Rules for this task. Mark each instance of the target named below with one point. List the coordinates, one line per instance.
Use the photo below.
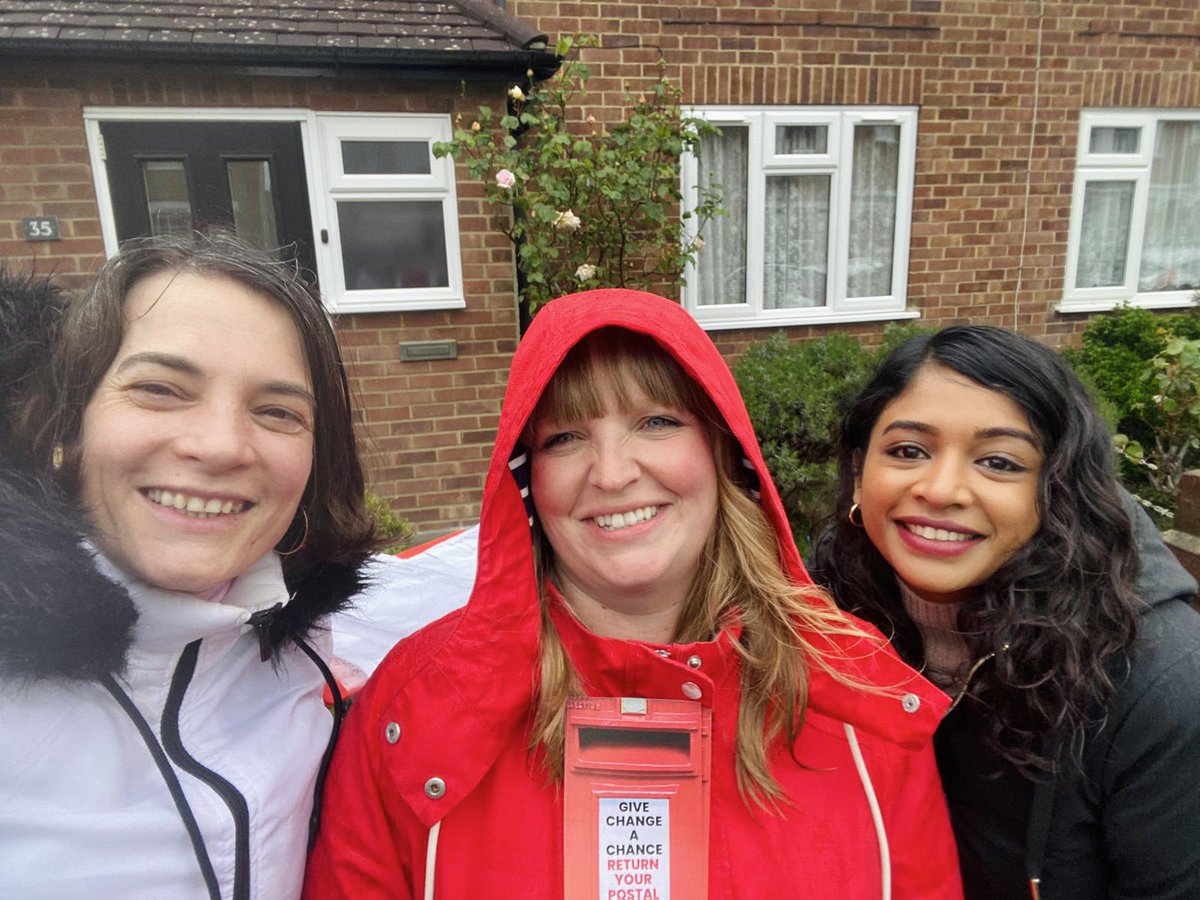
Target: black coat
(1125, 821)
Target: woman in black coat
(981, 527)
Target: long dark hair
(1058, 611)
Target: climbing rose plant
(588, 204)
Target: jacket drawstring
(431, 859)
(885, 856)
(339, 713)
(1037, 833)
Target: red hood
(470, 677)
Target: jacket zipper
(173, 745)
(170, 779)
(1037, 827)
(962, 692)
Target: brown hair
(740, 576)
(332, 523)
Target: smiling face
(197, 444)
(627, 500)
(948, 483)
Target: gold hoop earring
(854, 508)
(303, 537)
(57, 454)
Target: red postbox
(636, 799)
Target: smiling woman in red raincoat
(654, 560)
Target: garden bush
(1130, 356)
(390, 527)
(1115, 352)
(796, 393)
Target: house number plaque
(41, 228)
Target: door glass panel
(797, 241)
(800, 139)
(385, 157)
(167, 199)
(873, 184)
(390, 244)
(253, 202)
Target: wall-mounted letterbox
(636, 799)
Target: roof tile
(449, 25)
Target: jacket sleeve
(366, 844)
(921, 843)
(1150, 782)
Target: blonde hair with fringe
(740, 575)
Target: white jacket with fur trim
(86, 812)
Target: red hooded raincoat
(433, 792)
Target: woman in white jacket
(162, 728)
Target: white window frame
(1132, 167)
(761, 122)
(319, 133)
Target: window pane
(1114, 140)
(721, 264)
(873, 183)
(389, 244)
(167, 198)
(1104, 237)
(1171, 247)
(253, 202)
(798, 139)
(797, 241)
(385, 157)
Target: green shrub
(394, 529)
(1117, 356)
(796, 393)
(1116, 349)
(1175, 376)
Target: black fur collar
(59, 617)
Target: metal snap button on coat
(435, 788)
(392, 732)
(663, 653)
(691, 690)
(910, 703)
(694, 661)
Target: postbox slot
(645, 746)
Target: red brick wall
(971, 66)
(428, 426)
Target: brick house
(1018, 163)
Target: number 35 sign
(41, 228)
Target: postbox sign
(636, 799)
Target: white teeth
(938, 534)
(617, 521)
(195, 507)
